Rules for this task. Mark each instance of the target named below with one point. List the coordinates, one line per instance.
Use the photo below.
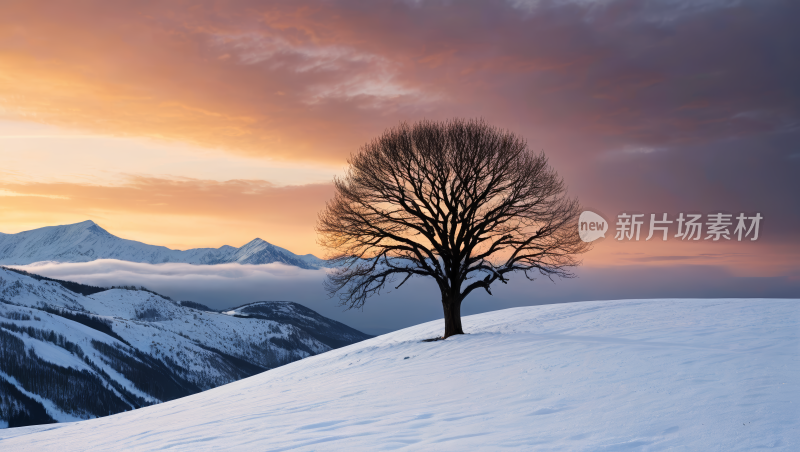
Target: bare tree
(460, 201)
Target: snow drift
(621, 375)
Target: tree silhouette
(459, 201)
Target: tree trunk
(452, 317)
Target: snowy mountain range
(629, 375)
(67, 355)
(86, 241)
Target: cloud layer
(229, 285)
(311, 80)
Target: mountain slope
(710, 375)
(83, 289)
(329, 332)
(86, 241)
(76, 357)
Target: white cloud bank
(228, 285)
(218, 286)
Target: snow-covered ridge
(86, 241)
(325, 330)
(699, 375)
(65, 356)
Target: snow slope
(86, 241)
(699, 375)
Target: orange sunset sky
(204, 123)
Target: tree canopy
(459, 201)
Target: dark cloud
(754, 174)
(613, 74)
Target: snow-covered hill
(66, 357)
(697, 375)
(86, 241)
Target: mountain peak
(82, 225)
(89, 226)
(256, 241)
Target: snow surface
(700, 375)
(86, 241)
